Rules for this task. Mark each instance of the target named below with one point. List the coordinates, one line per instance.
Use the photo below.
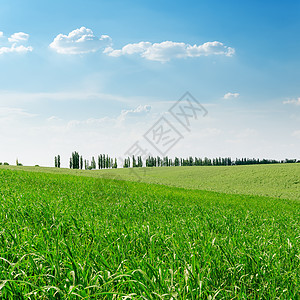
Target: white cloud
(79, 41)
(168, 50)
(17, 49)
(83, 40)
(14, 44)
(139, 111)
(292, 101)
(18, 37)
(231, 95)
(129, 49)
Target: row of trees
(136, 162)
(191, 161)
(106, 162)
(57, 161)
(253, 161)
(197, 161)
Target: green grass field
(279, 180)
(86, 237)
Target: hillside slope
(282, 181)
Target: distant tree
(115, 166)
(139, 162)
(81, 162)
(17, 163)
(133, 162)
(103, 161)
(229, 161)
(93, 163)
(58, 161)
(75, 160)
(55, 162)
(126, 163)
(166, 161)
(106, 162)
(158, 161)
(71, 163)
(99, 162)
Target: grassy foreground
(278, 180)
(72, 237)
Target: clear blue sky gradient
(265, 69)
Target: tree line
(104, 161)
(218, 161)
(158, 161)
(76, 161)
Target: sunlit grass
(278, 180)
(67, 237)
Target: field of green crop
(76, 237)
(278, 180)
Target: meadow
(277, 180)
(84, 237)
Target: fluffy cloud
(231, 95)
(79, 41)
(140, 110)
(18, 37)
(129, 49)
(14, 48)
(15, 43)
(168, 50)
(292, 101)
(83, 40)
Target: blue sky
(75, 75)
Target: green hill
(279, 180)
(76, 237)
